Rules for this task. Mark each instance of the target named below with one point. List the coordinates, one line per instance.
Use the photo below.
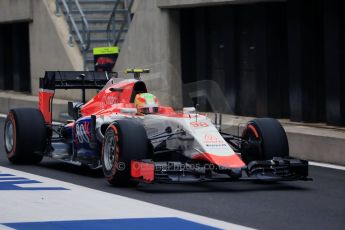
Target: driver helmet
(146, 103)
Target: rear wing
(75, 79)
(68, 80)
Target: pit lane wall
(313, 142)
(48, 36)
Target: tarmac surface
(317, 204)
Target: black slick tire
(124, 141)
(25, 136)
(266, 139)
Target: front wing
(277, 169)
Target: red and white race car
(124, 130)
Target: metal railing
(83, 35)
(113, 35)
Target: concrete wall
(48, 35)
(15, 10)
(10, 100)
(318, 143)
(48, 46)
(153, 42)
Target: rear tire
(124, 141)
(266, 139)
(25, 136)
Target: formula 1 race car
(124, 130)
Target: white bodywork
(201, 135)
(205, 137)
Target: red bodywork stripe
(232, 161)
(143, 170)
(45, 105)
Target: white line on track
(324, 165)
(319, 164)
(82, 203)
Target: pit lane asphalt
(319, 204)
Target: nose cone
(233, 161)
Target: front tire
(266, 139)
(124, 141)
(24, 136)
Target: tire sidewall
(274, 141)
(131, 144)
(29, 136)
(272, 137)
(110, 174)
(10, 119)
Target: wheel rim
(109, 156)
(9, 136)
